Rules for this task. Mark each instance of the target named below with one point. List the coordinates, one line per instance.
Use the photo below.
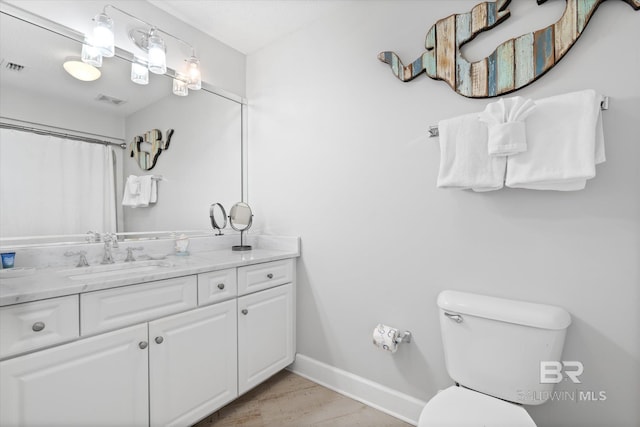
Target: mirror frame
(64, 31)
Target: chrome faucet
(130, 250)
(107, 258)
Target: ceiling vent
(110, 99)
(12, 66)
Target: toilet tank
(495, 345)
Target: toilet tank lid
(511, 311)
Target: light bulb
(139, 71)
(102, 36)
(193, 73)
(157, 54)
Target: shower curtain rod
(58, 134)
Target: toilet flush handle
(455, 317)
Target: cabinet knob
(159, 340)
(270, 276)
(221, 286)
(38, 326)
(244, 311)
(143, 345)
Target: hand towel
(464, 159)
(506, 121)
(140, 191)
(131, 191)
(565, 142)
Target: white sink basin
(111, 271)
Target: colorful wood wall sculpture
(513, 65)
(154, 146)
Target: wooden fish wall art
(147, 159)
(513, 65)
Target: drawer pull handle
(221, 286)
(270, 276)
(244, 311)
(143, 345)
(38, 326)
(159, 340)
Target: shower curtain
(52, 186)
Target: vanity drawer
(253, 278)
(114, 308)
(32, 325)
(217, 286)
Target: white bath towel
(506, 121)
(565, 142)
(140, 191)
(464, 160)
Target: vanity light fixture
(150, 41)
(91, 54)
(102, 35)
(157, 53)
(180, 85)
(81, 70)
(139, 71)
(193, 72)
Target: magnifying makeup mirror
(240, 219)
(218, 218)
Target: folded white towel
(565, 142)
(506, 121)
(140, 191)
(464, 160)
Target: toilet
(493, 348)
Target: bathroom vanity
(165, 343)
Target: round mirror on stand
(218, 218)
(240, 219)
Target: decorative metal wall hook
(513, 65)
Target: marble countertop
(54, 282)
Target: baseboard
(378, 396)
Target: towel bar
(434, 132)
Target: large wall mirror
(39, 182)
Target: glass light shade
(102, 36)
(193, 73)
(139, 72)
(180, 83)
(157, 54)
(90, 54)
(81, 70)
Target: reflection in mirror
(240, 219)
(206, 149)
(218, 217)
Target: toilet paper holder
(403, 336)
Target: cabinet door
(192, 364)
(101, 380)
(265, 335)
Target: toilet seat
(461, 407)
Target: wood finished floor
(288, 400)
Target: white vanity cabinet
(265, 335)
(162, 353)
(192, 364)
(98, 380)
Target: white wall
(202, 165)
(339, 155)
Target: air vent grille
(110, 99)
(12, 66)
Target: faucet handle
(82, 261)
(130, 250)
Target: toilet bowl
(461, 407)
(493, 350)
